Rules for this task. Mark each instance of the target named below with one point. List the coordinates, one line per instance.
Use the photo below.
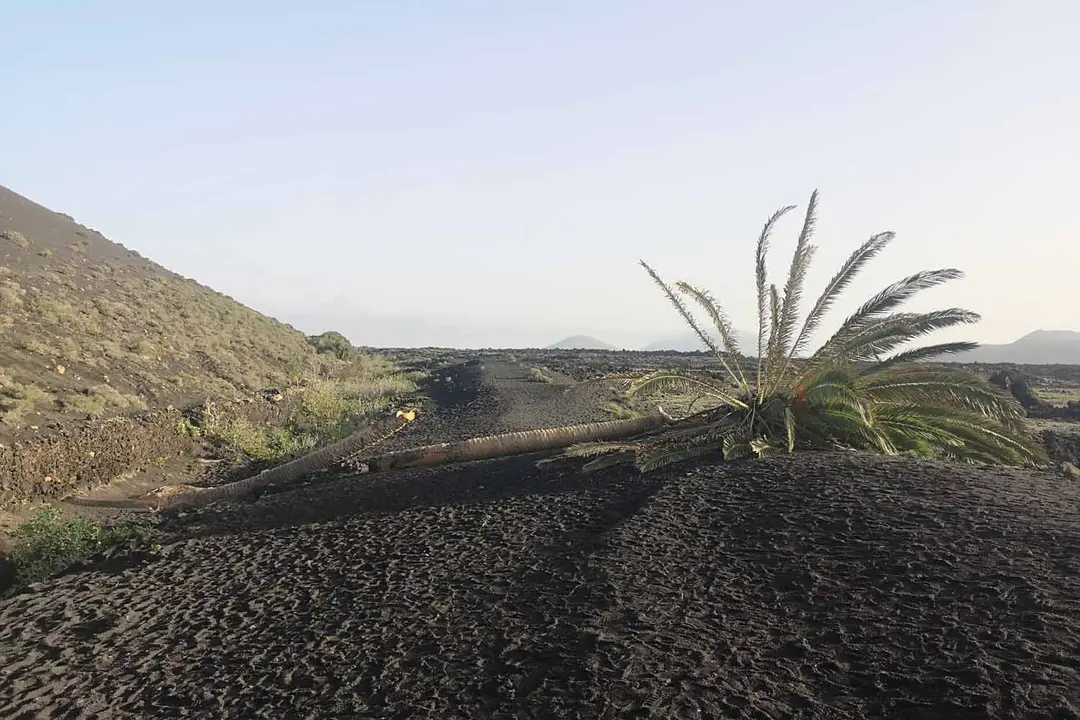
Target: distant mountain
(581, 342)
(1042, 347)
(690, 342)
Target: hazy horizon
(489, 174)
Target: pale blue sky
(490, 172)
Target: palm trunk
(171, 498)
(515, 443)
(481, 448)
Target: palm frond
(596, 449)
(963, 435)
(835, 392)
(736, 447)
(606, 461)
(920, 354)
(675, 380)
(888, 333)
(674, 448)
(761, 276)
(796, 279)
(724, 328)
(921, 387)
(653, 459)
(837, 425)
(614, 380)
(765, 374)
(789, 425)
(839, 282)
(889, 298)
(763, 447)
(684, 311)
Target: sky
(490, 173)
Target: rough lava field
(815, 586)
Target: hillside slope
(90, 328)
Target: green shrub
(330, 403)
(48, 544)
(334, 343)
(242, 436)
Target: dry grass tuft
(16, 238)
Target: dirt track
(817, 586)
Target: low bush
(48, 544)
(327, 403)
(16, 238)
(541, 374)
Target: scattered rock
(1062, 447)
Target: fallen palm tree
(516, 443)
(182, 496)
(480, 448)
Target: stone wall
(87, 457)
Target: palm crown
(859, 390)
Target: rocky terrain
(829, 585)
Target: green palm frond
(920, 387)
(830, 385)
(789, 306)
(684, 311)
(761, 277)
(763, 447)
(618, 381)
(789, 425)
(678, 446)
(736, 447)
(595, 449)
(766, 377)
(962, 435)
(659, 456)
(836, 426)
(919, 354)
(610, 460)
(887, 334)
(889, 298)
(843, 278)
(726, 331)
(675, 380)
